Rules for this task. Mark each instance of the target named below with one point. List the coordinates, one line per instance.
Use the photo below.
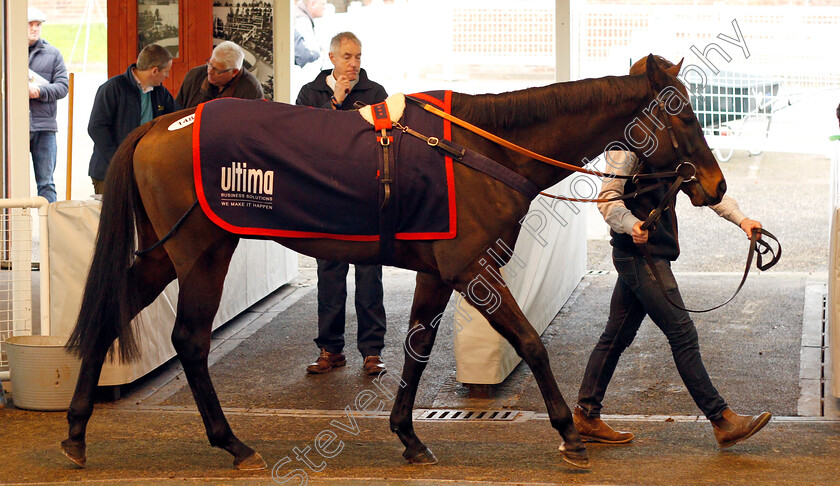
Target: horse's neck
(589, 115)
(577, 139)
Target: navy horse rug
(273, 169)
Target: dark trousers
(636, 294)
(43, 148)
(370, 311)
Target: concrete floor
(147, 437)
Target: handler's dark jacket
(116, 112)
(197, 89)
(663, 239)
(318, 93)
(46, 60)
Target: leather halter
(686, 171)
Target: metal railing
(16, 266)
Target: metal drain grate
(491, 415)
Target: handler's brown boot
(732, 428)
(326, 361)
(595, 430)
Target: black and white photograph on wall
(157, 23)
(249, 24)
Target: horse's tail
(106, 307)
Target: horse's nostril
(722, 187)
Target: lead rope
(757, 245)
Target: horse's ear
(656, 75)
(675, 70)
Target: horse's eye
(688, 119)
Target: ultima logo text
(239, 178)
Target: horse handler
(338, 89)
(636, 295)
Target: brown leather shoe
(373, 365)
(595, 430)
(732, 428)
(326, 361)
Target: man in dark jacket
(221, 77)
(125, 102)
(338, 89)
(47, 84)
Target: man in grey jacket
(48, 83)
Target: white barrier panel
(833, 305)
(257, 268)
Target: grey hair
(229, 54)
(335, 43)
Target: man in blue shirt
(125, 102)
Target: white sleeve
(728, 209)
(615, 213)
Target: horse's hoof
(425, 457)
(578, 458)
(74, 451)
(250, 463)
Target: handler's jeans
(43, 149)
(370, 311)
(636, 294)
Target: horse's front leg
(148, 276)
(495, 302)
(430, 298)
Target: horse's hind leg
(198, 300)
(148, 276)
(430, 298)
(495, 302)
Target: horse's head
(666, 133)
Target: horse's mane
(528, 106)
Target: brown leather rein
(522, 150)
(685, 172)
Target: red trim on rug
(446, 106)
(199, 185)
(423, 96)
(450, 170)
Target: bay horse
(150, 187)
